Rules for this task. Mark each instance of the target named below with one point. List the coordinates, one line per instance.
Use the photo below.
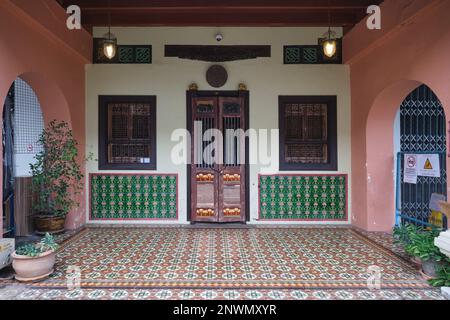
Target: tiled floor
(200, 263)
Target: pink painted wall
(36, 46)
(412, 48)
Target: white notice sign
(428, 165)
(410, 169)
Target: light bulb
(109, 49)
(329, 47)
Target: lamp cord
(109, 19)
(329, 21)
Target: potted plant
(35, 261)
(56, 177)
(442, 278)
(402, 235)
(419, 243)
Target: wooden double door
(219, 155)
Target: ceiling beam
(207, 19)
(221, 4)
(343, 13)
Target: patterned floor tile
(230, 264)
(220, 294)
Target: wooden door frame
(219, 93)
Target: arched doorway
(378, 187)
(22, 124)
(420, 128)
(54, 106)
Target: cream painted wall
(168, 79)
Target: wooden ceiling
(280, 13)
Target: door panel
(218, 189)
(232, 178)
(204, 182)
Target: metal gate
(422, 130)
(8, 165)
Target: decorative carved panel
(126, 54)
(311, 54)
(217, 53)
(216, 76)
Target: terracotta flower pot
(33, 268)
(416, 261)
(429, 268)
(48, 223)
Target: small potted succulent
(56, 178)
(34, 261)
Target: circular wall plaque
(216, 76)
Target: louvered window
(127, 132)
(308, 133)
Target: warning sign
(429, 166)
(426, 165)
(410, 169)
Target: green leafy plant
(422, 246)
(443, 279)
(418, 242)
(47, 243)
(29, 249)
(56, 174)
(402, 233)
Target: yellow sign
(436, 219)
(428, 165)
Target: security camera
(219, 37)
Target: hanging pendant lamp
(329, 45)
(109, 39)
(329, 41)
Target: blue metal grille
(422, 129)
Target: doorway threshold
(205, 225)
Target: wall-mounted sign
(429, 165)
(425, 165)
(437, 218)
(410, 169)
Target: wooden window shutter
(127, 137)
(305, 133)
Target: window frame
(331, 102)
(103, 101)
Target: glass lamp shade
(109, 45)
(329, 47)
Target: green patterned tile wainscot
(115, 197)
(297, 197)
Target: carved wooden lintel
(217, 53)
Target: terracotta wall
(36, 45)
(412, 48)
